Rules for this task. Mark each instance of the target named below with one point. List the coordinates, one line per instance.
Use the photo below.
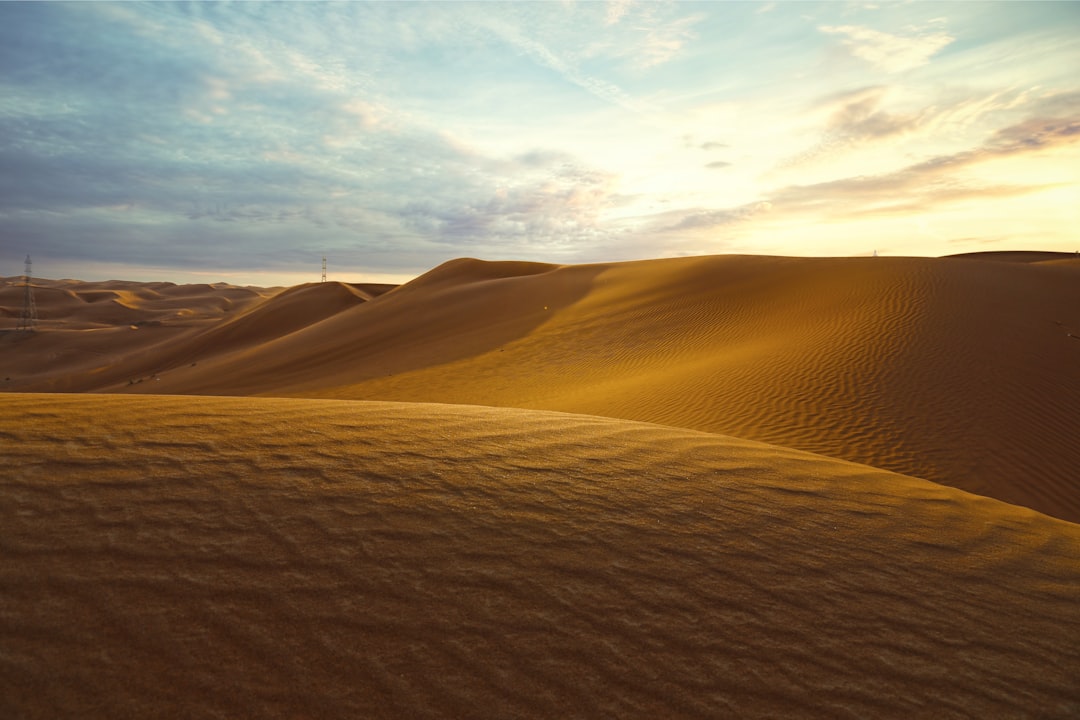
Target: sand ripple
(216, 557)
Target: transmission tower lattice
(28, 319)
(324, 269)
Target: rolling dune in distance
(957, 370)
(89, 330)
(106, 333)
(78, 305)
(261, 557)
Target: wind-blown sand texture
(254, 557)
(959, 370)
(173, 556)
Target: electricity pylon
(28, 318)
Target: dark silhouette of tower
(28, 318)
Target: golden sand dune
(93, 333)
(280, 315)
(254, 557)
(72, 304)
(958, 370)
(177, 325)
(1022, 256)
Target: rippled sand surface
(255, 557)
(959, 370)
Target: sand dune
(1021, 256)
(177, 325)
(958, 370)
(228, 557)
(72, 304)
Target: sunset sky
(242, 142)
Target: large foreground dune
(958, 370)
(255, 557)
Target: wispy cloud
(566, 68)
(711, 219)
(665, 40)
(857, 117)
(616, 10)
(888, 52)
(916, 188)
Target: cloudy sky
(244, 141)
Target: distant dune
(959, 370)
(256, 557)
(1024, 256)
(115, 333)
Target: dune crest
(282, 558)
(956, 370)
(959, 370)
(86, 339)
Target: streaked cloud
(720, 218)
(616, 9)
(937, 181)
(858, 116)
(888, 52)
(665, 40)
(566, 68)
(854, 118)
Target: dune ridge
(959, 370)
(294, 557)
(86, 339)
(74, 304)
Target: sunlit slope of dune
(1019, 256)
(961, 371)
(227, 557)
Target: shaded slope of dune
(957, 370)
(280, 315)
(464, 309)
(170, 556)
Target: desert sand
(233, 557)
(727, 486)
(958, 370)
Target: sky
(243, 142)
